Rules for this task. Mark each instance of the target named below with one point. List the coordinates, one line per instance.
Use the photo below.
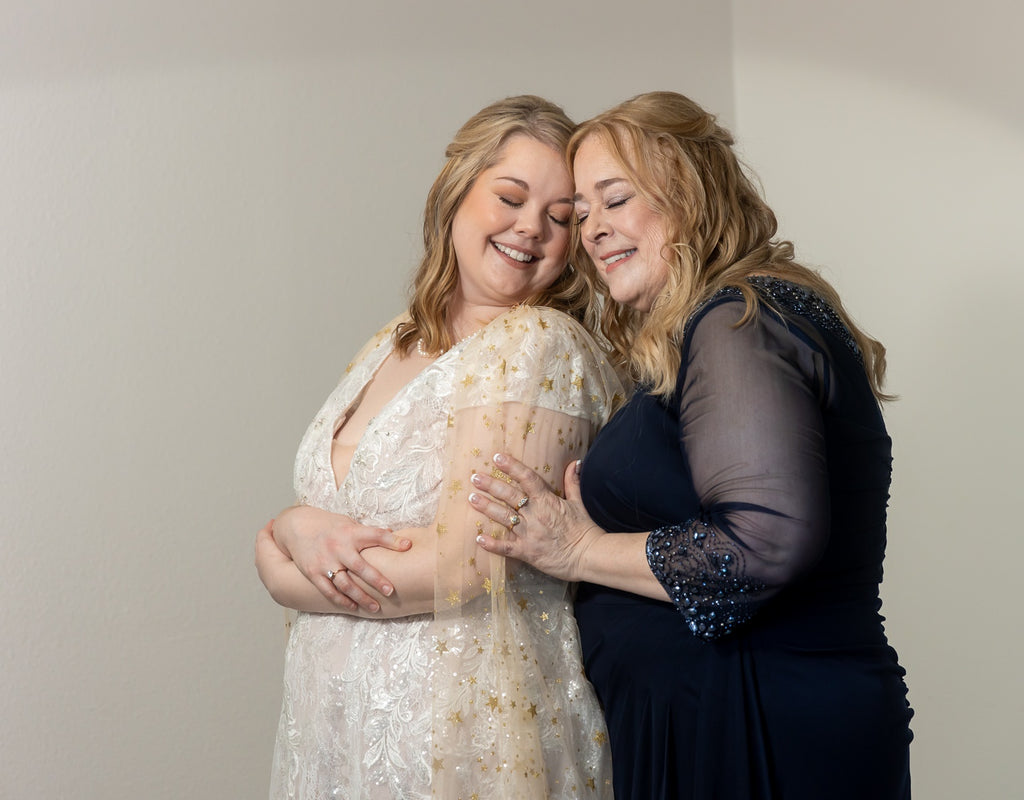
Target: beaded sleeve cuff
(703, 574)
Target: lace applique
(704, 576)
(360, 718)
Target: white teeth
(516, 254)
(619, 256)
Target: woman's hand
(545, 531)
(326, 547)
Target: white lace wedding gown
(485, 698)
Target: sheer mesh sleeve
(751, 431)
(534, 385)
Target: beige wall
(205, 207)
(890, 138)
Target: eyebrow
(600, 186)
(524, 185)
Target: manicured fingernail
(405, 543)
(579, 466)
(479, 539)
(387, 590)
(475, 478)
(473, 497)
(499, 458)
(374, 608)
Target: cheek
(559, 247)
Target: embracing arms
(752, 434)
(534, 385)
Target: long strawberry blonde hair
(720, 232)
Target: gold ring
(523, 502)
(513, 520)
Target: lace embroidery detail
(704, 577)
(358, 716)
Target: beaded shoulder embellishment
(792, 298)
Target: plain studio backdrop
(206, 207)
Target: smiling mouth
(516, 255)
(615, 258)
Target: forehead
(522, 151)
(596, 165)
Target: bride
(459, 675)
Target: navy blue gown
(765, 482)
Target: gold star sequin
(591, 784)
(455, 718)
(492, 703)
(600, 737)
(543, 324)
(453, 598)
(544, 615)
(442, 529)
(530, 428)
(487, 585)
(468, 380)
(438, 764)
(578, 382)
(441, 647)
(532, 710)
(522, 604)
(547, 384)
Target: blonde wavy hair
(719, 232)
(478, 145)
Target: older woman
(461, 676)
(729, 522)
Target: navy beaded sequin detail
(797, 299)
(703, 577)
(783, 295)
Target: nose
(594, 228)
(530, 224)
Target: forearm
(412, 573)
(414, 592)
(289, 588)
(619, 561)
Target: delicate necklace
(422, 351)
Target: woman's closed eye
(615, 202)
